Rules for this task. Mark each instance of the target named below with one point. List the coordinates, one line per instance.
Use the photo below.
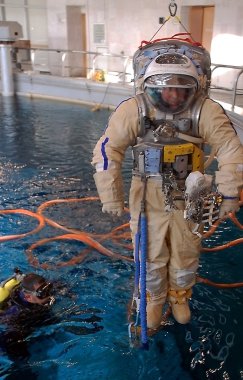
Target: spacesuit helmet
(171, 82)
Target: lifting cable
(172, 11)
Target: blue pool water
(45, 153)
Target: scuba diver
(167, 123)
(24, 291)
(26, 302)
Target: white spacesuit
(166, 123)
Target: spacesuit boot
(154, 315)
(179, 305)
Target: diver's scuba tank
(9, 284)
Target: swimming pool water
(45, 153)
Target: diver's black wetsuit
(18, 318)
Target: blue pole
(136, 258)
(143, 303)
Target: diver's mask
(44, 292)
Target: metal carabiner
(171, 6)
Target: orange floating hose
(241, 196)
(51, 222)
(40, 219)
(233, 218)
(217, 284)
(212, 229)
(223, 246)
(78, 237)
(115, 235)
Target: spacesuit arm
(217, 131)
(109, 154)
(110, 188)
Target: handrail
(235, 90)
(90, 66)
(93, 55)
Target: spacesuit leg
(157, 252)
(185, 251)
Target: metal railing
(74, 63)
(234, 90)
(100, 66)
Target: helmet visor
(171, 92)
(171, 80)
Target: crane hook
(172, 8)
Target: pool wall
(80, 90)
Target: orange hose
(40, 219)
(212, 229)
(115, 235)
(51, 222)
(79, 237)
(241, 196)
(217, 284)
(223, 246)
(235, 220)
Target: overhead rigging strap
(172, 11)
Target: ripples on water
(45, 153)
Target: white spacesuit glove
(113, 208)
(110, 189)
(229, 204)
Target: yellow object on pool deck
(99, 76)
